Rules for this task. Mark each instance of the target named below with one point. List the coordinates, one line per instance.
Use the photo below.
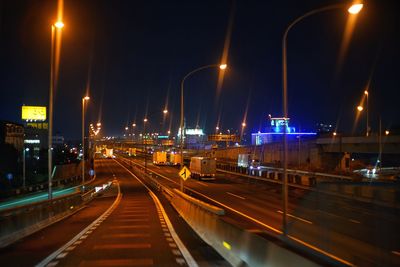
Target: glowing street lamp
(165, 111)
(98, 124)
(59, 25)
(387, 132)
(222, 66)
(243, 124)
(84, 99)
(360, 108)
(355, 8)
(334, 133)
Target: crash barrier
(239, 247)
(381, 193)
(62, 175)
(16, 223)
(299, 177)
(19, 222)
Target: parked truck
(246, 161)
(109, 153)
(175, 158)
(160, 158)
(203, 168)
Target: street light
(387, 132)
(165, 111)
(58, 25)
(145, 146)
(222, 66)
(360, 108)
(367, 95)
(353, 9)
(84, 99)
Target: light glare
(355, 9)
(360, 108)
(222, 66)
(59, 25)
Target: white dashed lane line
(229, 193)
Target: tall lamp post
(366, 93)
(84, 99)
(55, 28)
(353, 9)
(145, 145)
(222, 67)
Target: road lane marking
(185, 252)
(75, 240)
(125, 235)
(235, 195)
(295, 217)
(62, 255)
(123, 246)
(202, 183)
(70, 248)
(128, 226)
(117, 262)
(52, 264)
(321, 251)
(396, 253)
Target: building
(276, 130)
(193, 138)
(12, 133)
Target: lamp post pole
(145, 146)
(222, 67)
(354, 9)
(86, 98)
(56, 27)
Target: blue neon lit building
(276, 129)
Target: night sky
(133, 54)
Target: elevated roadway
(349, 231)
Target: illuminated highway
(127, 226)
(356, 233)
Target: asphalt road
(353, 232)
(126, 226)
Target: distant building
(275, 132)
(323, 128)
(12, 133)
(193, 138)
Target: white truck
(203, 168)
(110, 153)
(175, 158)
(245, 160)
(160, 158)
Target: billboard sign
(35, 113)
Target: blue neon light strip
(284, 133)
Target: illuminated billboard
(35, 113)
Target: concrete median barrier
(238, 246)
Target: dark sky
(138, 51)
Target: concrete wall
(305, 154)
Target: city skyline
(133, 57)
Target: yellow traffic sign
(184, 173)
